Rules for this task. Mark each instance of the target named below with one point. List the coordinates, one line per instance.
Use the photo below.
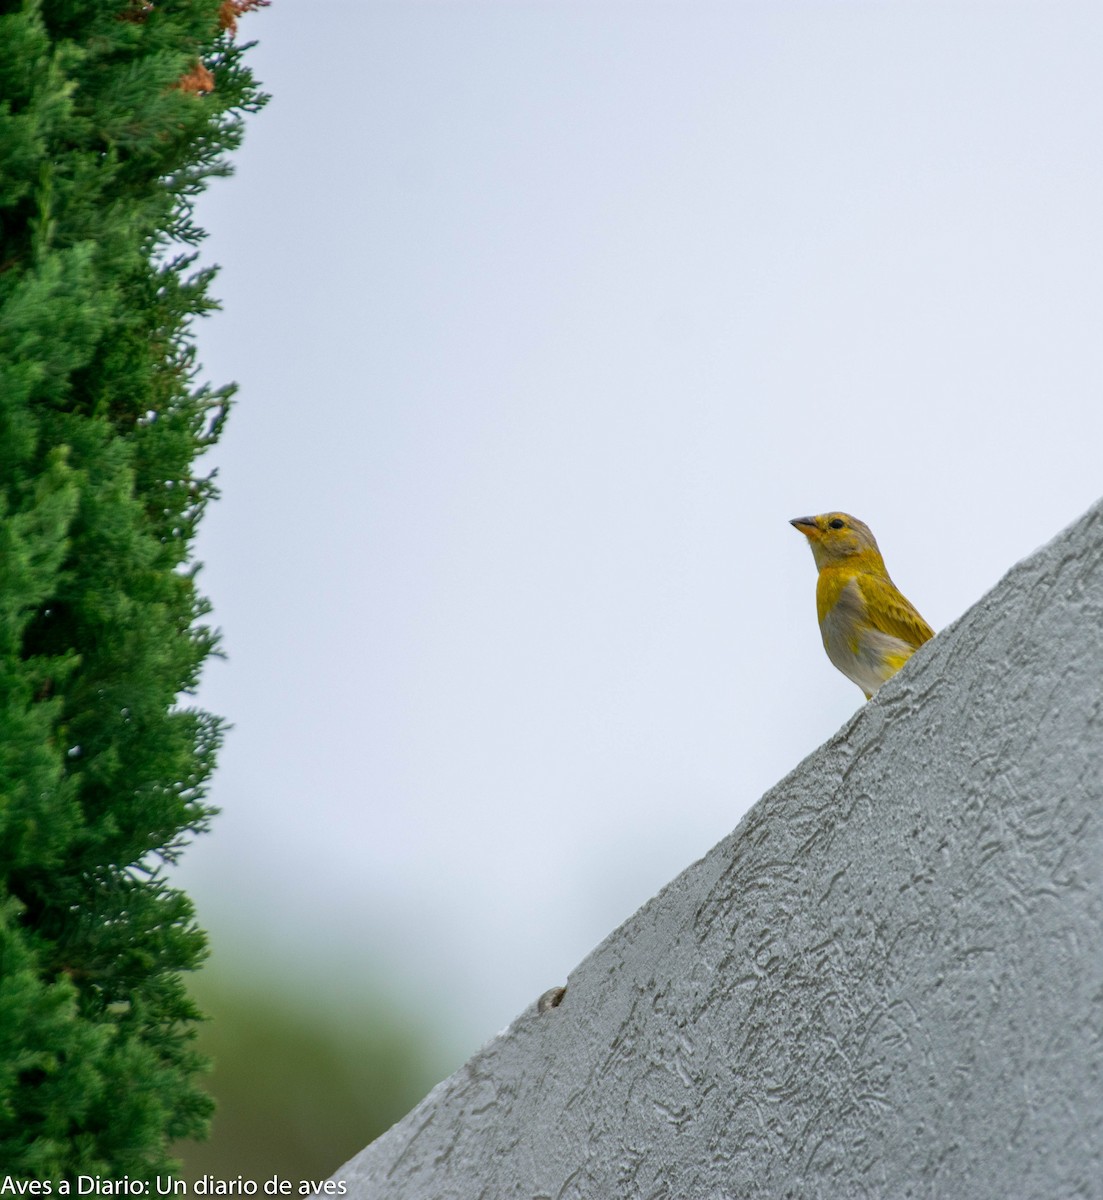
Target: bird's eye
(837, 524)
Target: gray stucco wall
(888, 981)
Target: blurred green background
(303, 1078)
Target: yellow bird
(869, 629)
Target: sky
(547, 318)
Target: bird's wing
(888, 611)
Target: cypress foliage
(113, 113)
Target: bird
(869, 628)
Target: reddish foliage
(198, 80)
(230, 10)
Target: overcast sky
(547, 317)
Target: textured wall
(888, 981)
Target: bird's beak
(807, 525)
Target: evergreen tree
(113, 113)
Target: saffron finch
(869, 629)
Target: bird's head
(837, 536)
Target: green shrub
(112, 115)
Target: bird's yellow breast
(829, 588)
